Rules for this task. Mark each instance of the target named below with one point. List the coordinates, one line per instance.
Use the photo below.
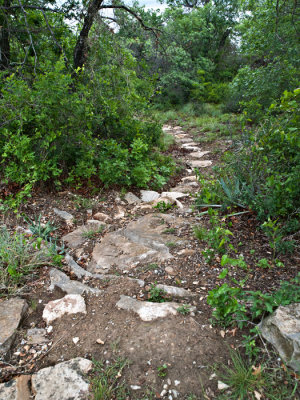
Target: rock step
(148, 311)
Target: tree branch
(136, 16)
(54, 38)
(24, 6)
(30, 37)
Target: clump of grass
(81, 202)
(90, 234)
(20, 256)
(184, 309)
(106, 381)
(169, 231)
(248, 380)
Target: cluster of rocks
(140, 241)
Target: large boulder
(282, 329)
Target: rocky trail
(98, 307)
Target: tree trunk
(81, 48)
(4, 37)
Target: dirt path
(117, 260)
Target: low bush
(20, 256)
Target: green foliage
(163, 207)
(241, 379)
(266, 167)
(235, 262)
(257, 377)
(38, 229)
(223, 299)
(20, 256)
(106, 383)
(90, 234)
(157, 295)
(162, 370)
(270, 47)
(229, 301)
(184, 309)
(217, 236)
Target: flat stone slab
(146, 310)
(184, 139)
(176, 291)
(198, 154)
(62, 281)
(186, 189)
(76, 238)
(77, 270)
(11, 313)
(131, 198)
(70, 304)
(141, 241)
(64, 381)
(63, 214)
(190, 144)
(149, 195)
(200, 163)
(37, 336)
(282, 329)
(174, 195)
(192, 178)
(102, 217)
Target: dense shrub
(60, 129)
(263, 173)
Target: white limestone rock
(70, 304)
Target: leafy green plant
(263, 263)
(40, 230)
(184, 309)
(84, 202)
(157, 295)
(236, 262)
(162, 370)
(90, 234)
(169, 231)
(163, 207)
(217, 236)
(171, 244)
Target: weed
(263, 263)
(81, 202)
(162, 371)
(236, 262)
(169, 231)
(250, 381)
(163, 207)
(90, 234)
(106, 381)
(150, 267)
(21, 256)
(242, 378)
(157, 295)
(115, 345)
(33, 304)
(39, 229)
(171, 244)
(217, 237)
(184, 309)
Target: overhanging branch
(136, 16)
